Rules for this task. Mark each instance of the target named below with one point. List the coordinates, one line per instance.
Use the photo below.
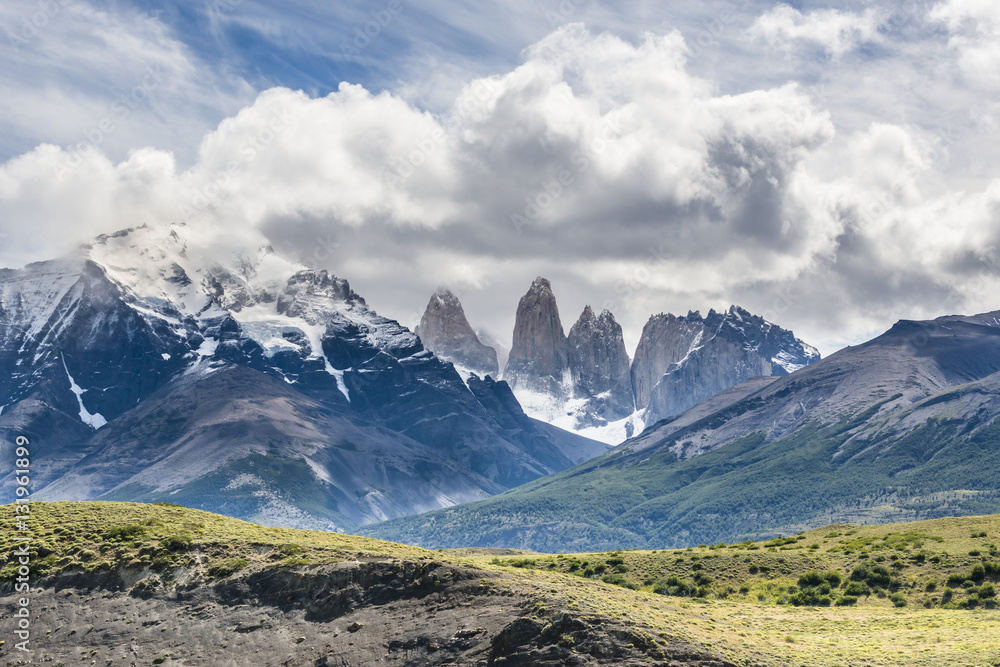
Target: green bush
(846, 600)
(618, 580)
(873, 575)
(290, 549)
(898, 600)
(987, 591)
(818, 579)
(857, 589)
(178, 542)
(120, 533)
(675, 587)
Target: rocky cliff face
(538, 359)
(681, 361)
(599, 367)
(445, 331)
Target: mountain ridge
(150, 314)
(902, 427)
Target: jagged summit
(538, 355)
(445, 331)
(599, 366)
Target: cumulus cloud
(833, 31)
(602, 163)
(975, 35)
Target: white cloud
(635, 184)
(834, 31)
(975, 35)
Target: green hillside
(747, 489)
(915, 594)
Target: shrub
(856, 588)
(898, 600)
(978, 572)
(846, 600)
(675, 587)
(987, 591)
(290, 549)
(178, 542)
(955, 579)
(120, 533)
(618, 580)
(872, 574)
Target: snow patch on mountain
(95, 420)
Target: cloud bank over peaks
(603, 163)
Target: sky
(834, 167)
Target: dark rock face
(681, 361)
(599, 366)
(278, 615)
(539, 353)
(666, 339)
(446, 332)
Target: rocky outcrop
(539, 354)
(681, 361)
(446, 332)
(599, 367)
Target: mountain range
(902, 427)
(585, 381)
(148, 367)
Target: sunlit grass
(741, 608)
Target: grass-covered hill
(120, 583)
